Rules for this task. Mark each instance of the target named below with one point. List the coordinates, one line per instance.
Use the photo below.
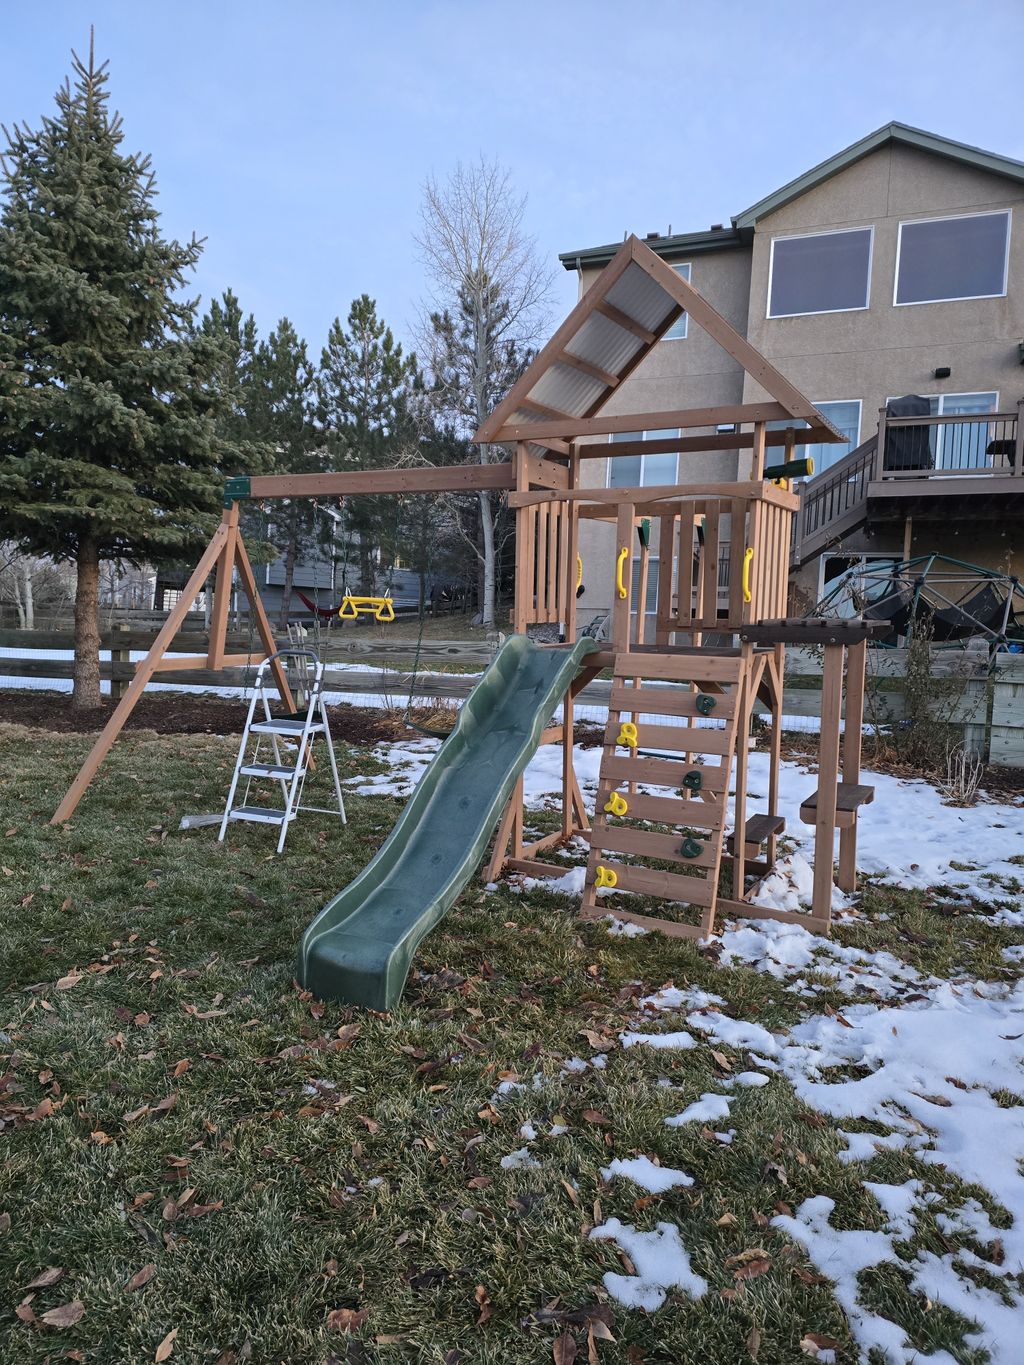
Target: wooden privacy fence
(987, 706)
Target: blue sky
(295, 136)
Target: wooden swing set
(678, 736)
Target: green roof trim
(678, 247)
(683, 245)
(898, 133)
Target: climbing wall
(654, 743)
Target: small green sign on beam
(238, 487)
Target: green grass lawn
(199, 1148)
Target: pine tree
(283, 418)
(239, 423)
(108, 447)
(364, 387)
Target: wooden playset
(678, 736)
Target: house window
(637, 471)
(844, 415)
(651, 604)
(960, 445)
(677, 332)
(952, 258)
(826, 272)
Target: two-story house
(894, 269)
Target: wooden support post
(776, 671)
(757, 452)
(266, 631)
(744, 705)
(828, 781)
(856, 665)
(143, 672)
(622, 602)
(119, 654)
(222, 592)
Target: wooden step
(705, 667)
(645, 881)
(663, 772)
(756, 830)
(645, 843)
(670, 810)
(665, 701)
(850, 796)
(679, 739)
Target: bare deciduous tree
(487, 310)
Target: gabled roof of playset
(680, 246)
(621, 317)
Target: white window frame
(679, 267)
(869, 228)
(644, 435)
(824, 402)
(860, 418)
(958, 298)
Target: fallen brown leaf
(141, 1277)
(346, 1319)
(563, 1349)
(46, 1277)
(166, 1347)
(483, 1301)
(347, 1034)
(66, 1315)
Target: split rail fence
(988, 707)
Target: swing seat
(381, 608)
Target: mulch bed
(186, 714)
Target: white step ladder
(303, 730)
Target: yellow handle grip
(605, 876)
(579, 572)
(627, 734)
(616, 804)
(747, 558)
(619, 583)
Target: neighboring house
(894, 268)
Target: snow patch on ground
(643, 1172)
(662, 1263)
(708, 1109)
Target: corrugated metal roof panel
(641, 298)
(567, 390)
(604, 344)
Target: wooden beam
(542, 410)
(546, 472)
(628, 324)
(644, 421)
(143, 672)
(682, 445)
(460, 478)
(585, 367)
(222, 592)
(751, 488)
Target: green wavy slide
(361, 945)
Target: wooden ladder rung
(671, 886)
(680, 739)
(664, 701)
(662, 772)
(672, 810)
(648, 844)
(679, 667)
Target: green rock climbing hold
(693, 780)
(691, 848)
(705, 703)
